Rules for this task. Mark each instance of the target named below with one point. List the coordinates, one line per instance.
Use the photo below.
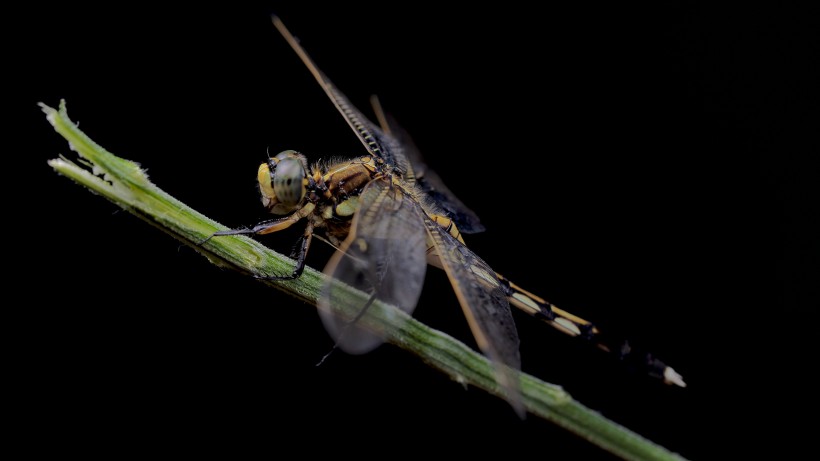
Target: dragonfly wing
(427, 180)
(486, 307)
(433, 186)
(384, 257)
(378, 143)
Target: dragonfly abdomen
(564, 321)
(578, 327)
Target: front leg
(300, 258)
(267, 227)
(275, 225)
(259, 229)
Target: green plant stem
(126, 184)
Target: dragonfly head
(283, 182)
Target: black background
(643, 166)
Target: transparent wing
(486, 307)
(427, 180)
(384, 256)
(375, 141)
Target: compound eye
(287, 182)
(282, 182)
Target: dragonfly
(389, 216)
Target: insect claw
(205, 240)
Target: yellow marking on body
(362, 244)
(263, 176)
(556, 310)
(448, 226)
(347, 207)
(527, 302)
(573, 318)
(327, 213)
(567, 326)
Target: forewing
(486, 308)
(375, 141)
(430, 183)
(384, 256)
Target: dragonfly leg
(274, 225)
(267, 227)
(242, 231)
(300, 253)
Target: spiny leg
(300, 253)
(265, 227)
(275, 225)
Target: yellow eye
(265, 187)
